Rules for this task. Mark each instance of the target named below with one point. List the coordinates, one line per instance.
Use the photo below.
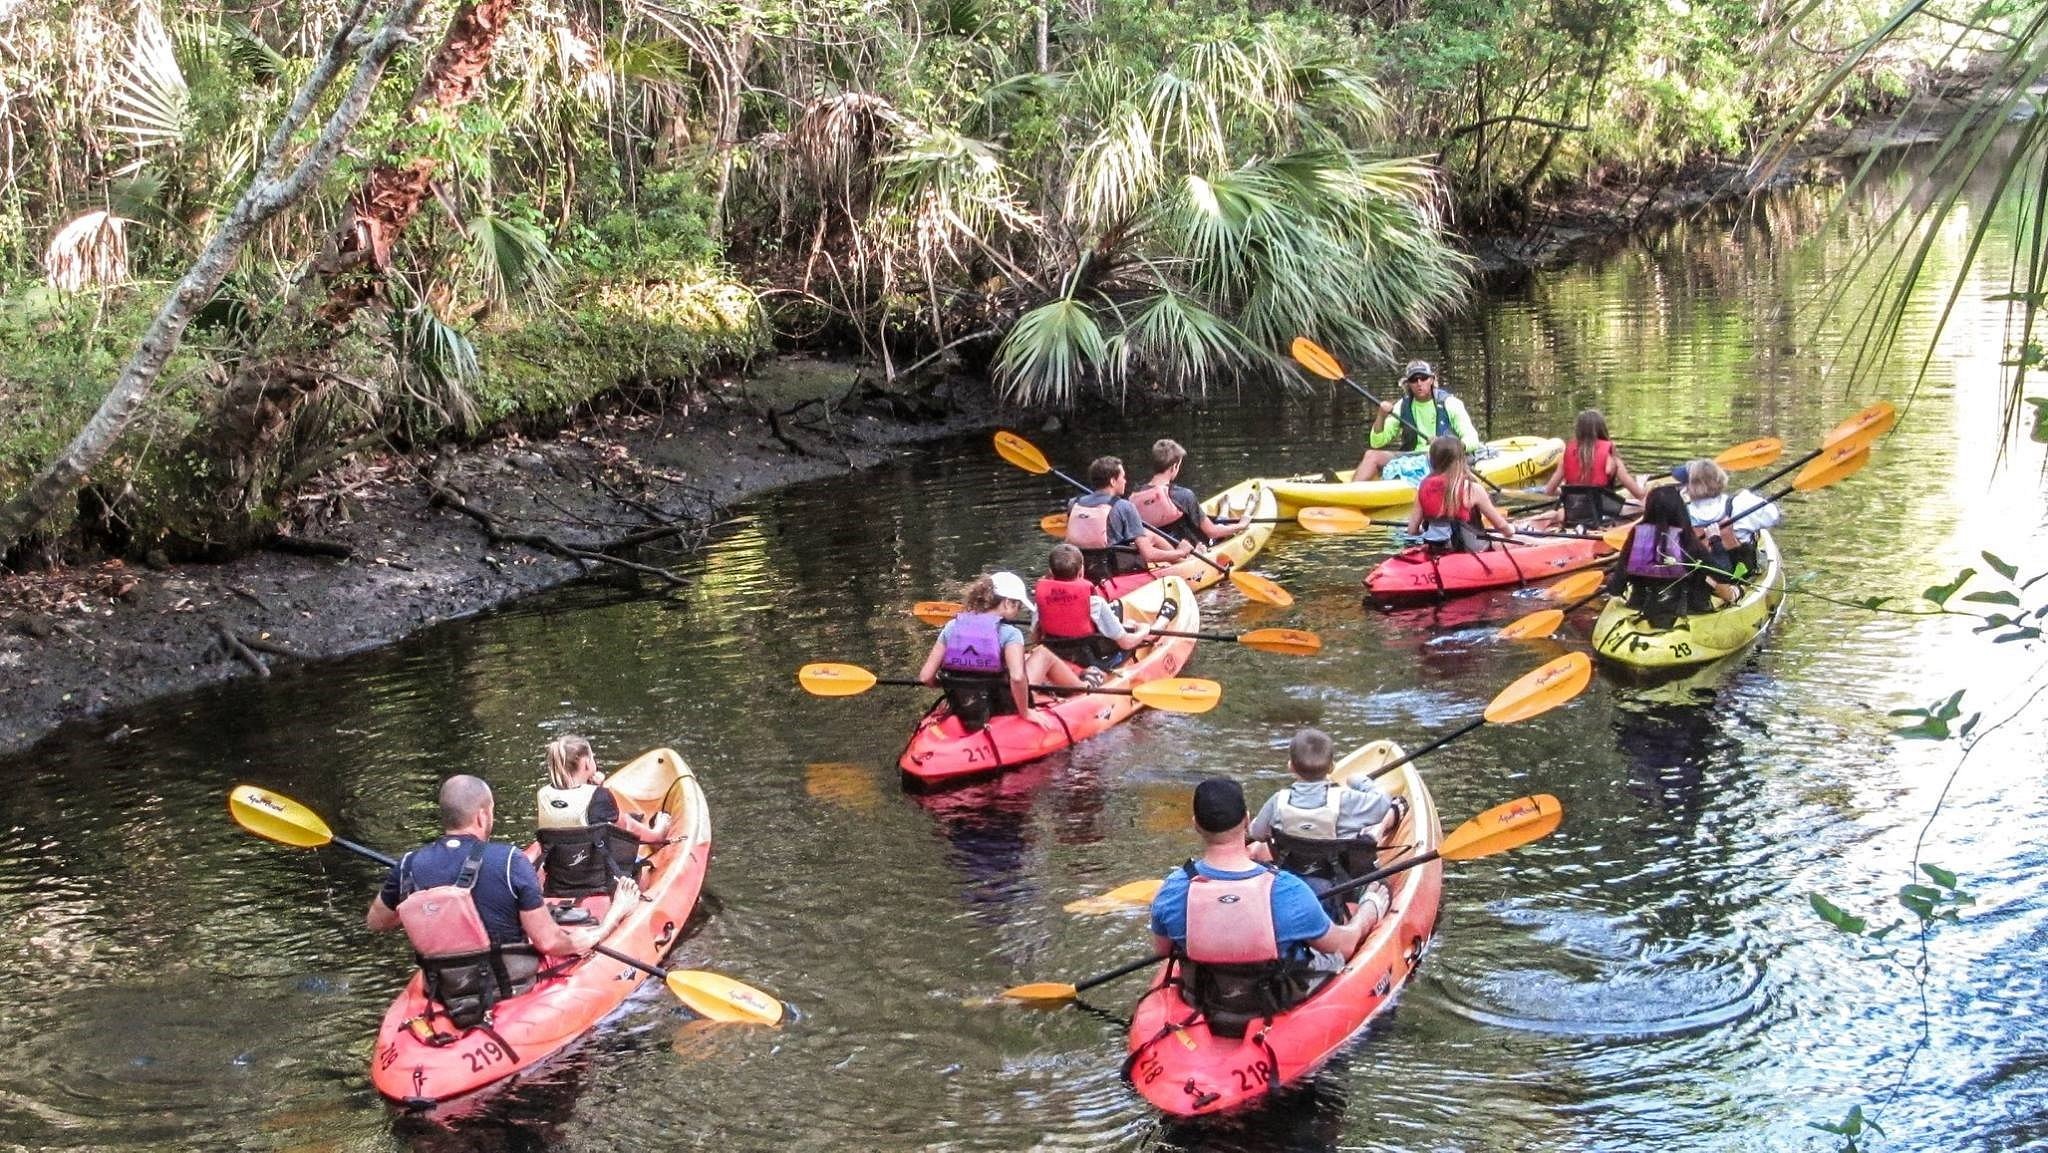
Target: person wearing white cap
(980, 654)
(1424, 412)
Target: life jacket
(1409, 440)
(464, 970)
(974, 644)
(1063, 607)
(1306, 838)
(1230, 922)
(1155, 506)
(1102, 558)
(579, 858)
(1445, 527)
(1656, 554)
(1587, 497)
(1596, 477)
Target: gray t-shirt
(1362, 805)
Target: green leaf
(1835, 915)
(2040, 433)
(1999, 597)
(1939, 594)
(2008, 571)
(1939, 875)
(1931, 729)
(1874, 603)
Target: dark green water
(1649, 977)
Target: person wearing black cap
(1251, 936)
(1424, 412)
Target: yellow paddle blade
(833, 680)
(1261, 589)
(1838, 463)
(1535, 625)
(1503, 827)
(1316, 359)
(1616, 538)
(1292, 642)
(1751, 454)
(1179, 694)
(935, 613)
(1864, 427)
(276, 818)
(1542, 690)
(1579, 584)
(1021, 453)
(1319, 519)
(1044, 992)
(716, 997)
(1054, 524)
(1126, 896)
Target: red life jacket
(1231, 922)
(443, 921)
(1088, 526)
(1063, 607)
(1155, 506)
(1433, 494)
(1603, 451)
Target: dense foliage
(1097, 195)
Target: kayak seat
(1326, 864)
(583, 862)
(1231, 997)
(976, 697)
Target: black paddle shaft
(1123, 970)
(907, 682)
(1431, 747)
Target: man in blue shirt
(506, 891)
(1294, 927)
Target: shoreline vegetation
(520, 330)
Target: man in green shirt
(1424, 407)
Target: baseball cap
(1219, 805)
(1679, 474)
(1010, 586)
(1417, 368)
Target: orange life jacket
(443, 921)
(1603, 451)
(1155, 506)
(1230, 922)
(1088, 526)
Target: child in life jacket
(1325, 832)
(1666, 569)
(1588, 474)
(1114, 540)
(1727, 521)
(980, 659)
(1173, 508)
(1452, 510)
(1075, 623)
(587, 841)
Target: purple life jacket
(1656, 555)
(974, 644)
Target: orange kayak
(418, 1065)
(1178, 1065)
(941, 751)
(1418, 575)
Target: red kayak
(1185, 1070)
(942, 751)
(1419, 575)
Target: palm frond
(444, 361)
(1050, 352)
(149, 102)
(511, 258)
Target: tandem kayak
(941, 750)
(1245, 498)
(1624, 637)
(1516, 460)
(1185, 1070)
(1419, 575)
(421, 1060)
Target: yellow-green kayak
(1516, 460)
(1622, 636)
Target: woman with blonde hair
(1452, 510)
(586, 841)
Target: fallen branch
(449, 498)
(308, 546)
(273, 648)
(237, 649)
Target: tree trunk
(264, 198)
(256, 408)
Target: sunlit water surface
(1651, 976)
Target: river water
(1651, 976)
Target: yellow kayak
(1622, 636)
(1516, 460)
(1245, 498)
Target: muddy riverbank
(638, 488)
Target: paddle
(1533, 694)
(1025, 455)
(1171, 695)
(1291, 642)
(276, 817)
(1858, 431)
(1839, 463)
(1318, 519)
(1497, 830)
(1318, 360)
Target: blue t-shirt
(506, 883)
(1298, 917)
(1125, 525)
